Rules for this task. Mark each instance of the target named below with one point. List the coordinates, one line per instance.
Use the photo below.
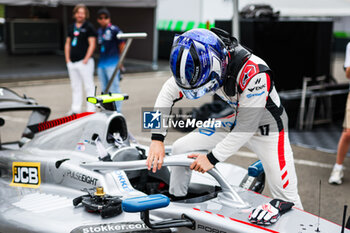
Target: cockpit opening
(117, 125)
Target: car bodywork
(41, 174)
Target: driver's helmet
(198, 61)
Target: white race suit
(260, 124)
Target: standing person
(79, 47)
(110, 49)
(205, 62)
(344, 141)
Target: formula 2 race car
(83, 173)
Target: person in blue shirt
(110, 49)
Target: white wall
(186, 10)
(217, 9)
(203, 10)
(194, 10)
(342, 24)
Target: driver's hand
(201, 164)
(155, 155)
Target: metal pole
(155, 40)
(344, 218)
(302, 103)
(117, 68)
(235, 19)
(129, 37)
(200, 11)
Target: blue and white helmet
(198, 61)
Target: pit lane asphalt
(311, 165)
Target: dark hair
(104, 11)
(78, 6)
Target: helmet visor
(198, 92)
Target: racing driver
(211, 61)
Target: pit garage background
(41, 26)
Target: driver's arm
(168, 95)
(251, 108)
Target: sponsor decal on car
(209, 229)
(81, 146)
(113, 228)
(81, 177)
(26, 174)
(90, 142)
(123, 181)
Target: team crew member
(110, 49)
(202, 62)
(344, 141)
(79, 47)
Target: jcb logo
(26, 174)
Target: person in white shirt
(344, 141)
(79, 48)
